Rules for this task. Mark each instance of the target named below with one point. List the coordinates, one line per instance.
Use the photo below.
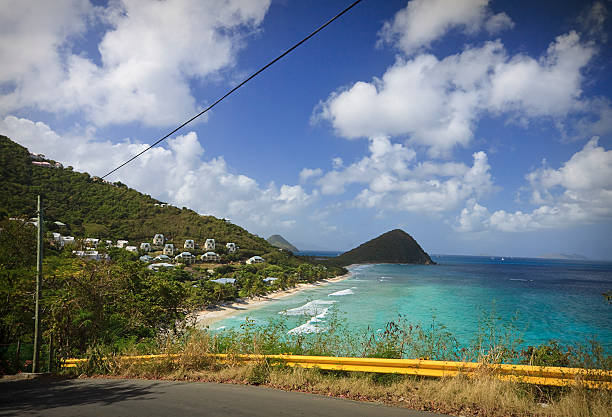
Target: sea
(540, 299)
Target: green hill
(281, 242)
(395, 246)
(93, 208)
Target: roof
(224, 280)
(270, 279)
(160, 265)
(210, 254)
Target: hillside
(281, 242)
(395, 246)
(93, 208)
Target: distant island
(282, 243)
(566, 256)
(395, 246)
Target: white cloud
(437, 103)
(308, 173)
(394, 182)
(149, 54)
(176, 173)
(577, 193)
(423, 21)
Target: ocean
(543, 299)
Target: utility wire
(259, 71)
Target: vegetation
(395, 246)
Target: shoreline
(204, 318)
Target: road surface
(135, 398)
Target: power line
(259, 71)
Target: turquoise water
(549, 299)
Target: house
(231, 247)
(210, 244)
(122, 243)
(189, 244)
(185, 257)
(255, 260)
(90, 241)
(145, 246)
(162, 265)
(42, 164)
(57, 237)
(269, 280)
(67, 240)
(90, 255)
(210, 257)
(131, 248)
(169, 249)
(108, 243)
(224, 280)
(37, 156)
(158, 240)
(146, 258)
(162, 258)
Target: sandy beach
(209, 316)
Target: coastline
(204, 318)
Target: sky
(479, 127)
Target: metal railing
(539, 375)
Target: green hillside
(92, 208)
(395, 246)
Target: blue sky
(478, 127)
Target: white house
(269, 280)
(146, 258)
(57, 237)
(224, 280)
(185, 257)
(131, 248)
(90, 241)
(162, 258)
(255, 260)
(90, 254)
(210, 257)
(145, 246)
(67, 240)
(210, 244)
(158, 240)
(231, 247)
(162, 265)
(108, 243)
(169, 249)
(189, 244)
(122, 243)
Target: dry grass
(482, 395)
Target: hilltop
(281, 242)
(395, 246)
(91, 207)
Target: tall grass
(482, 395)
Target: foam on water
(342, 292)
(311, 308)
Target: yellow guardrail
(540, 375)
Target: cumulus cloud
(437, 102)
(395, 181)
(148, 55)
(423, 21)
(579, 192)
(177, 173)
(308, 173)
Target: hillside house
(210, 257)
(224, 280)
(185, 257)
(67, 240)
(162, 258)
(57, 237)
(145, 246)
(189, 244)
(42, 164)
(269, 280)
(169, 249)
(90, 241)
(231, 247)
(210, 244)
(146, 258)
(159, 240)
(255, 260)
(93, 255)
(37, 156)
(158, 266)
(122, 243)
(131, 249)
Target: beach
(207, 317)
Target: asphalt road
(135, 398)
